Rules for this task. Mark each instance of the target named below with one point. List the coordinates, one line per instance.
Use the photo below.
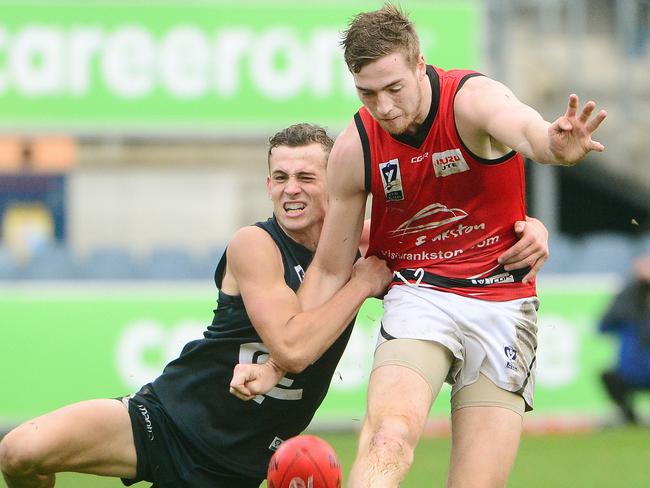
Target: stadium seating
(562, 254)
(110, 263)
(170, 264)
(8, 264)
(604, 253)
(52, 262)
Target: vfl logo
(392, 178)
(449, 162)
(443, 215)
(300, 272)
(511, 354)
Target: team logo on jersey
(449, 162)
(437, 215)
(392, 179)
(300, 272)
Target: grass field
(612, 458)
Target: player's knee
(17, 453)
(393, 440)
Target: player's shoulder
(347, 152)
(476, 98)
(476, 88)
(251, 243)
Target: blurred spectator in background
(629, 318)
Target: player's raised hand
(375, 272)
(530, 250)
(250, 380)
(570, 135)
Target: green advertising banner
(199, 67)
(61, 345)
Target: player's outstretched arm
(485, 107)
(530, 250)
(294, 338)
(344, 222)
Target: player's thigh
(486, 429)
(93, 436)
(406, 378)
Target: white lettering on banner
(185, 53)
(140, 339)
(324, 47)
(3, 47)
(82, 44)
(37, 61)
(558, 350)
(187, 62)
(136, 365)
(275, 82)
(129, 61)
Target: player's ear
(268, 186)
(422, 65)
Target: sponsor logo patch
(275, 444)
(449, 162)
(392, 179)
(430, 217)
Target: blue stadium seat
(52, 262)
(562, 255)
(8, 264)
(111, 263)
(171, 264)
(605, 253)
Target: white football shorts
(498, 339)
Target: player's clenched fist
(250, 380)
(375, 272)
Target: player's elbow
(291, 359)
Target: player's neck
(307, 238)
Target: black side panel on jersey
(367, 157)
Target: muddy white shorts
(498, 339)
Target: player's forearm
(536, 142)
(321, 284)
(309, 334)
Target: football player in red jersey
(442, 153)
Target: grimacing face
(297, 185)
(391, 90)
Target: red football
(304, 461)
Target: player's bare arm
(491, 121)
(530, 250)
(294, 338)
(340, 237)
